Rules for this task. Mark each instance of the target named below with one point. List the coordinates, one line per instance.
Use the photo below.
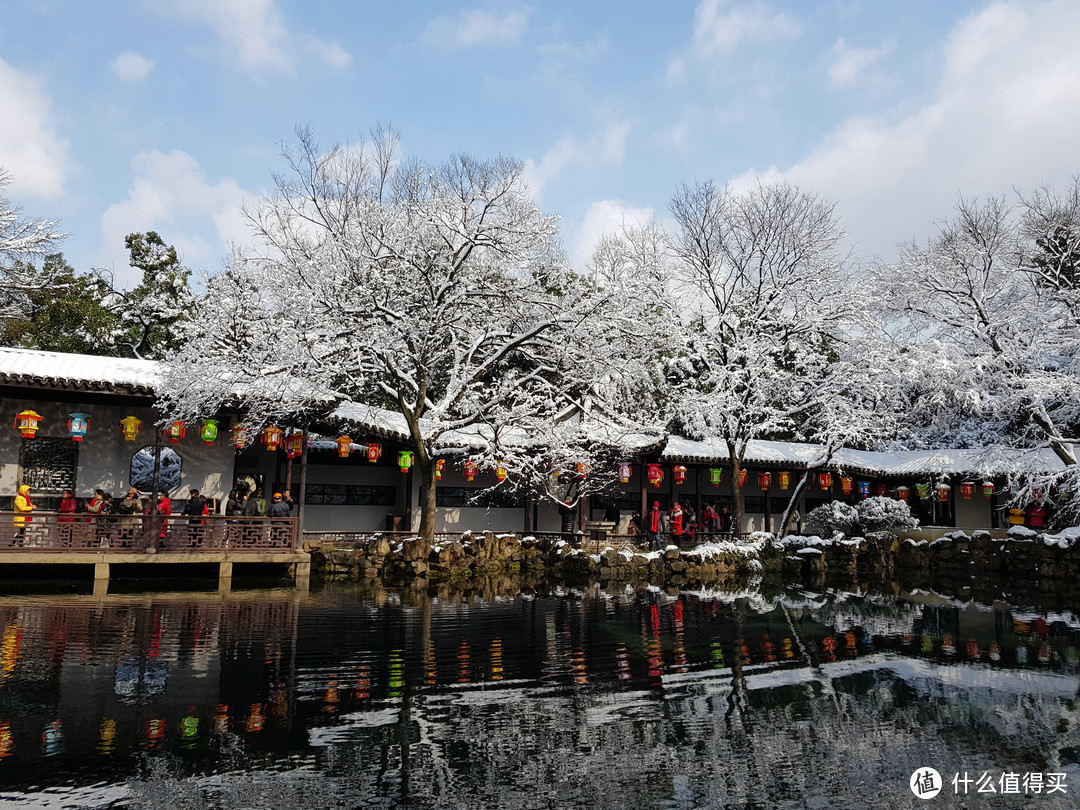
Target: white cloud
(1004, 115)
(169, 194)
(475, 28)
(30, 149)
(255, 33)
(132, 67)
(849, 65)
(720, 27)
(603, 217)
(605, 149)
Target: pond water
(546, 697)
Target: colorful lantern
(78, 424)
(471, 468)
(130, 428)
(825, 480)
(208, 431)
(405, 460)
(882, 490)
(624, 471)
(582, 469)
(240, 436)
(846, 484)
(764, 480)
(716, 475)
(923, 491)
(967, 489)
(680, 473)
(988, 489)
(344, 446)
(439, 465)
(742, 478)
(864, 489)
(272, 437)
(175, 431)
(374, 452)
(500, 471)
(27, 423)
(902, 493)
(294, 445)
(784, 479)
(655, 475)
(943, 491)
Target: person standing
(68, 506)
(129, 507)
(725, 520)
(163, 507)
(253, 505)
(23, 507)
(675, 516)
(194, 510)
(611, 514)
(234, 506)
(654, 526)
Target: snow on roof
(59, 369)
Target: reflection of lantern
(967, 489)
(404, 460)
(864, 489)
(272, 437)
(374, 452)
(344, 446)
(130, 428)
(208, 431)
(294, 445)
(943, 491)
(845, 484)
(902, 493)
(784, 479)
(470, 469)
(500, 471)
(27, 423)
(764, 480)
(922, 490)
(825, 480)
(716, 475)
(680, 473)
(624, 471)
(656, 475)
(439, 464)
(175, 431)
(882, 490)
(239, 435)
(988, 489)
(742, 478)
(78, 424)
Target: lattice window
(49, 465)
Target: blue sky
(135, 115)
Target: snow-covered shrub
(830, 518)
(881, 514)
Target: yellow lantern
(846, 484)
(680, 473)
(130, 428)
(27, 423)
(784, 479)
(344, 446)
(500, 471)
(272, 437)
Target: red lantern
(967, 489)
(742, 478)
(764, 480)
(680, 473)
(784, 478)
(825, 479)
(988, 489)
(344, 446)
(943, 491)
(846, 485)
(239, 435)
(27, 423)
(471, 468)
(439, 464)
(624, 471)
(655, 475)
(374, 452)
(882, 490)
(294, 445)
(272, 437)
(902, 493)
(175, 431)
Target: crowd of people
(677, 522)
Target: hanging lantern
(943, 491)
(864, 489)
(967, 489)
(902, 493)
(716, 475)
(988, 489)
(923, 491)
(784, 479)
(374, 452)
(471, 468)
(825, 480)
(764, 480)
(882, 490)
(27, 423)
(175, 431)
(272, 437)
(742, 478)
(130, 428)
(624, 471)
(846, 484)
(344, 446)
(294, 445)
(208, 431)
(78, 424)
(439, 465)
(655, 474)
(404, 460)
(680, 473)
(582, 469)
(500, 471)
(240, 436)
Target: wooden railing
(51, 531)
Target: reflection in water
(637, 698)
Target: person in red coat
(68, 506)
(653, 525)
(675, 516)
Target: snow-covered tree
(879, 514)
(829, 519)
(22, 240)
(436, 292)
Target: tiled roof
(55, 369)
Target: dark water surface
(551, 698)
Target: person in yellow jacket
(22, 506)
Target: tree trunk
(425, 465)
(800, 487)
(736, 499)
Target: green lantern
(716, 475)
(405, 460)
(208, 431)
(923, 491)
